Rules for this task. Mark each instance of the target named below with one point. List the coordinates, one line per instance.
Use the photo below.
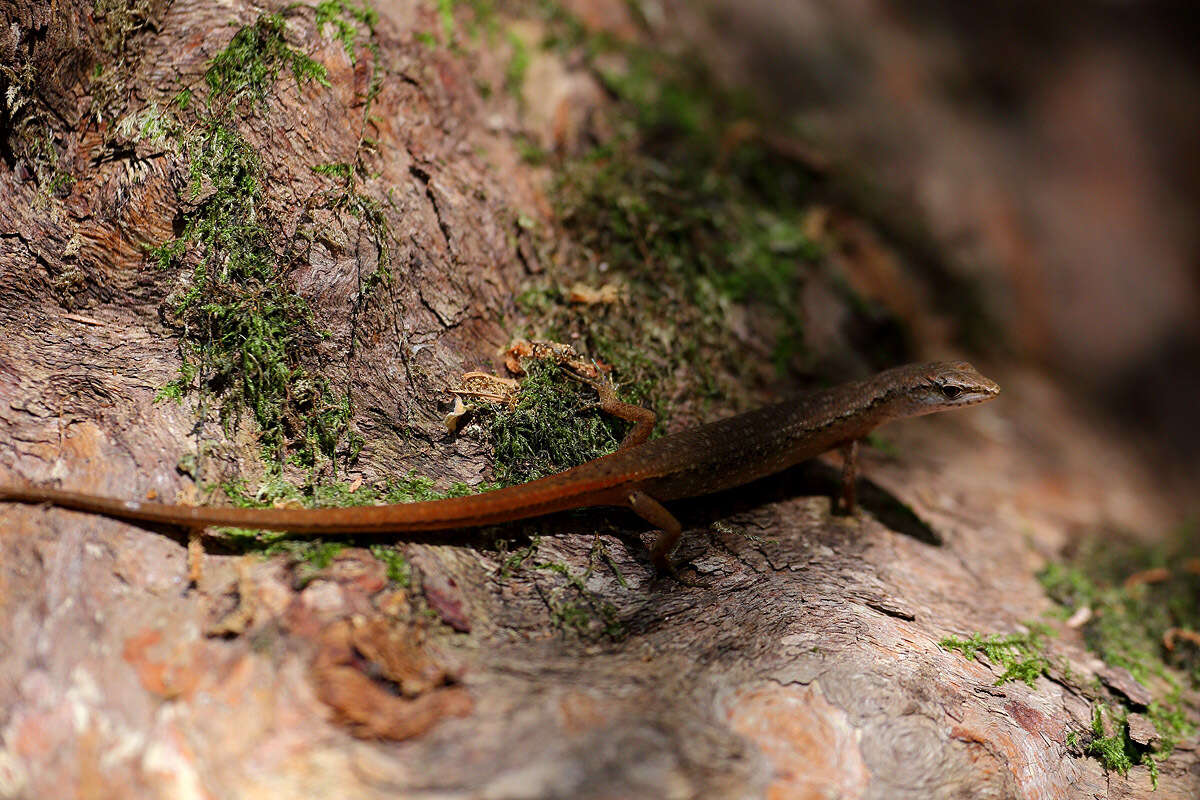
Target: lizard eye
(950, 391)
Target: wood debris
(608, 294)
(562, 354)
(1152, 575)
(489, 388)
(1172, 635)
(454, 418)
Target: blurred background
(1052, 152)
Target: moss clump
(276, 490)
(1022, 655)
(398, 569)
(1135, 594)
(445, 9)
(247, 68)
(1117, 752)
(695, 237)
(346, 18)
(1135, 598)
(518, 65)
(317, 555)
(553, 426)
(693, 217)
(247, 339)
(243, 331)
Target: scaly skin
(640, 475)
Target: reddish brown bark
(809, 667)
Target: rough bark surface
(807, 667)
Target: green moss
(60, 182)
(243, 331)
(348, 197)
(338, 169)
(518, 65)
(539, 299)
(120, 20)
(531, 153)
(398, 569)
(152, 124)
(573, 606)
(246, 338)
(445, 9)
(704, 228)
(346, 19)
(514, 561)
(554, 425)
(412, 488)
(687, 229)
(1127, 623)
(1170, 722)
(883, 444)
(1022, 655)
(1125, 628)
(118, 24)
(1067, 585)
(1116, 752)
(248, 66)
(483, 18)
(317, 553)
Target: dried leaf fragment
(454, 418)
(562, 354)
(1152, 575)
(489, 388)
(1171, 635)
(609, 294)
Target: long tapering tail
(545, 496)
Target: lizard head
(940, 385)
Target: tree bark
(809, 664)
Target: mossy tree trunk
(249, 246)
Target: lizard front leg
(849, 476)
(653, 512)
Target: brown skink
(640, 475)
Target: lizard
(640, 475)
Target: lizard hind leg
(849, 476)
(643, 419)
(670, 530)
